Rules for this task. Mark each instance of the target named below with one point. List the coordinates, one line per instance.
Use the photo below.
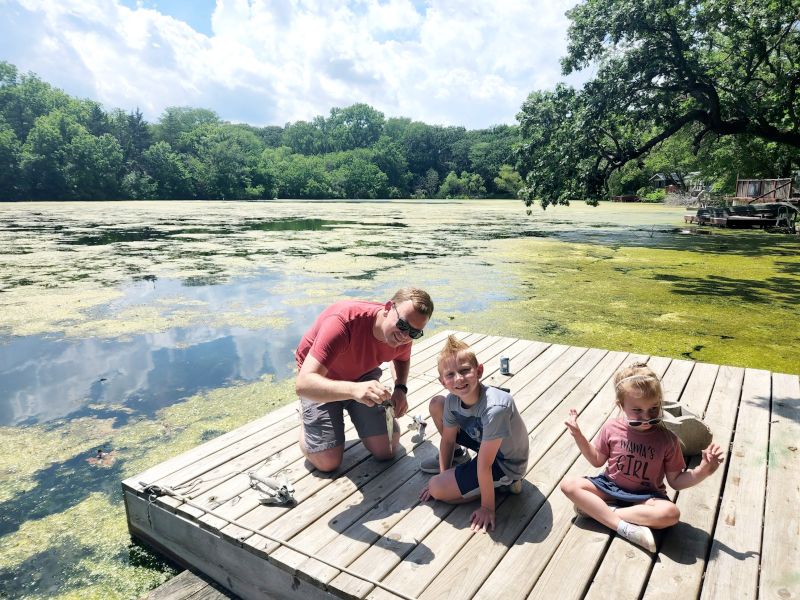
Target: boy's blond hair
(454, 348)
(420, 299)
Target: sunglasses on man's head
(636, 423)
(406, 327)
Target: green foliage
(44, 156)
(357, 126)
(223, 162)
(420, 145)
(434, 147)
(10, 150)
(272, 135)
(139, 186)
(358, 178)
(178, 120)
(25, 98)
(508, 181)
(749, 157)
(712, 68)
(92, 166)
(653, 196)
(428, 185)
(134, 136)
(467, 185)
(303, 138)
(56, 147)
(298, 176)
(388, 156)
(395, 127)
(96, 121)
(489, 150)
(167, 171)
(62, 160)
(674, 158)
(628, 179)
(556, 155)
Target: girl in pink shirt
(639, 452)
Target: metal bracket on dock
(272, 491)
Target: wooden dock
(188, 586)
(739, 535)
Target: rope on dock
(153, 491)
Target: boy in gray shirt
(483, 419)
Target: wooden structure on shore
(738, 535)
(762, 190)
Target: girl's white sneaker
(638, 534)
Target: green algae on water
(719, 308)
(82, 549)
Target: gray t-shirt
(494, 416)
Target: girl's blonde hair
(455, 348)
(640, 381)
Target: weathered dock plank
(733, 565)
(780, 556)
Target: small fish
(389, 410)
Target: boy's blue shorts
(467, 474)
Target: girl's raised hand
(572, 423)
(711, 458)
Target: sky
(271, 62)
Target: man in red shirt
(339, 362)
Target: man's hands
(371, 393)
(400, 402)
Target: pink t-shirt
(638, 460)
(341, 339)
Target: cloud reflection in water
(44, 378)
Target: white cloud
(466, 63)
(394, 15)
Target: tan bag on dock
(694, 435)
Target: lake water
(141, 329)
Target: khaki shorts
(323, 422)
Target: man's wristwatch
(401, 386)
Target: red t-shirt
(638, 460)
(341, 339)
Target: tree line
(56, 147)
